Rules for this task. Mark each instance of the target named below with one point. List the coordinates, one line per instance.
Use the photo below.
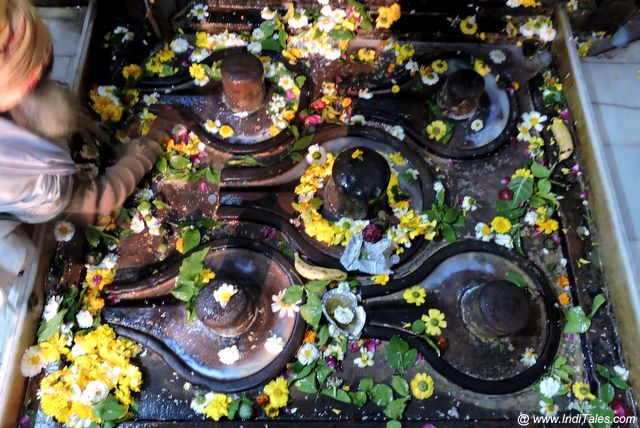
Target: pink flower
(203, 187)
(353, 346)
(565, 114)
(318, 105)
(371, 344)
(97, 279)
(290, 95)
(314, 119)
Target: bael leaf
(316, 285)
(293, 295)
(598, 301)
(190, 239)
(109, 409)
(159, 204)
(47, 330)
(606, 393)
(382, 395)
(522, 189)
(395, 409)
(517, 279)
(400, 386)
(337, 394)
(358, 398)
(576, 320)
(312, 310)
(366, 384)
(307, 384)
(394, 351)
(540, 171)
(619, 383)
(544, 187)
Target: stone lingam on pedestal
(243, 83)
(357, 187)
(460, 95)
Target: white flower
(334, 350)
(64, 231)
(254, 47)
(316, 154)
(513, 3)
(307, 354)
(533, 120)
(94, 392)
(199, 11)
(51, 308)
(267, 14)
(179, 45)
(549, 387)
(224, 293)
(151, 98)
(438, 186)
(469, 203)
(154, 226)
(258, 34)
(622, 372)
(137, 223)
(412, 66)
(201, 82)
(198, 55)
(483, 232)
(357, 119)
(430, 78)
(284, 309)
(332, 54)
(78, 422)
(548, 409)
(528, 29)
(145, 194)
(274, 345)
(326, 24)
(529, 358)
(547, 33)
(338, 15)
(84, 319)
(326, 10)
(323, 2)
(504, 240)
(396, 131)
(365, 94)
(201, 401)
(343, 315)
(229, 355)
(477, 125)
(497, 56)
(212, 126)
(365, 359)
(32, 362)
(523, 132)
(269, 69)
(297, 22)
(531, 218)
(77, 351)
(286, 82)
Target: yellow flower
(274, 130)
(288, 115)
(481, 67)
(218, 407)
(278, 392)
(397, 159)
(380, 279)
(437, 130)
(522, 172)
(366, 55)
(387, 15)
(422, 386)
(197, 72)
(434, 322)
(469, 25)
(180, 245)
(226, 131)
(395, 89)
(207, 275)
(133, 70)
(415, 295)
(501, 225)
(203, 41)
(439, 66)
(356, 154)
(582, 392)
(547, 226)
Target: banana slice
(563, 138)
(312, 272)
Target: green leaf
(190, 239)
(161, 165)
(365, 385)
(604, 372)
(576, 320)
(598, 301)
(394, 424)
(233, 408)
(297, 157)
(109, 409)
(537, 202)
(409, 358)
(323, 335)
(212, 176)
(179, 162)
(323, 373)
(394, 351)
(341, 34)
(271, 44)
(317, 285)
(312, 310)
(293, 295)
(307, 384)
(382, 395)
(619, 383)
(245, 161)
(606, 393)
(544, 187)
(358, 398)
(337, 394)
(448, 233)
(600, 408)
(93, 236)
(160, 204)
(300, 80)
(48, 329)
(517, 279)
(395, 409)
(189, 271)
(268, 28)
(539, 171)
(400, 386)
(522, 189)
(282, 38)
(418, 326)
(302, 143)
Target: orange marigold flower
(262, 400)
(564, 299)
(310, 336)
(562, 281)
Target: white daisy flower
(269, 69)
(483, 232)
(137, 223)
(412, 66)
(212, 126)
(154, 226)
(32, 361)
(286, 82)
(274, 345)
(64, 231)
(504, 240)
(469, 203)
(284, 309)
(258, 34)
(513, 3)
(298, 21)
(332, 54)
(497, 56)
(201, 401)
(179, 45)
(334, 350)
(357, 119)
(254, 47)
(534, 120)
(94, 392)
(151, 98)
(338, 15)
(548, 409)
(199, 55)
(316, 154)
(224, 293)
(549, 387)
(51, 308)
(201, 82)
(547, 33)
(529, 358)
(326, 24)
(524, 133)
(396, 131)
(84, 319)
(477, 125)
(430, 78)
(229, 355)
(77, 351)
(622, 372)
(364, 360)
(528, 29)
(326, 10)
(531, 218)
(267, 14)
(307, 354)
(199, 12)
(343, 315)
